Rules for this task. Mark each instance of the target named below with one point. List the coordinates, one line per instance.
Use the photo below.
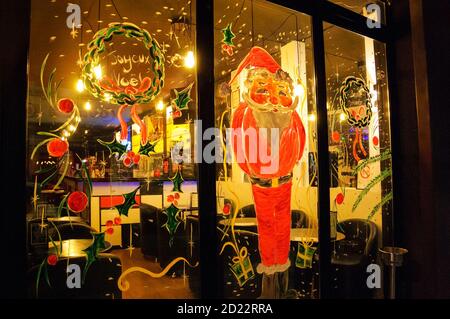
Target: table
(310, 235)
(73, 219)
(74, 247)
(240, 222)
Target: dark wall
(420, 136)
(14, 19)
(437, 40)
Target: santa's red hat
(257, 58)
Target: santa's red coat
(292, 144)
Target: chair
(100, 282)
(299, 219)
(351, 257)
(71, 231)
(149, 231)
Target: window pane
(360, 148)
(267, 207)
(112, 95)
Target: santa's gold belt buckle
(273, 182)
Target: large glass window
(267, 183)
(112, 96)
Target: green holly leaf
(114, 147)
(147, 148)
(228, 35)
(92, 251)
(129, 201)
(183, 97)
(177, 180)
(173, 221)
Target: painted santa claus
(268, 140)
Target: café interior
(112, 175)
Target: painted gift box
(305, 256)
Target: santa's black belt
(271, 182)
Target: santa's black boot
(270, 288)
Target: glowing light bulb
(342, 117)
(87, 106)
(98, 72)
(80, 86)
(312, 117)
(72, 128)
(107, 97)
(189, 60)
(160, 105)
(298, 90)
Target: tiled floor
(143, 286)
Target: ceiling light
(80, 86)
(98, 72)
(189, 60)
(87, 106)
(160, 105)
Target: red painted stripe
(111, 201)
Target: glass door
(266, 174)
(360, 159)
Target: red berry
(117, 221)
(57, 147)
(52, 260)
(177, 196)
(170, 198)
(176, 114)
(77, 202)
(110, 231)
(175, 202)
(136, 158)
(66, 105)
(335, 136)
(157, 173)
(226, 209)
(375, 141)
(109, 223)
(339, 198)
(127, 161)
(131, 154)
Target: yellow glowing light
(66, 134)
(312, 117)
(80, 86)
(98, 72)
(87, 106)
(160, 105)
(189, 60)
(72, 128)
(298, 90)
(342, 117)
(107, 97)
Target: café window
(117, 195)
(112, 94)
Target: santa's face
(269, 92)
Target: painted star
(74, 33)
